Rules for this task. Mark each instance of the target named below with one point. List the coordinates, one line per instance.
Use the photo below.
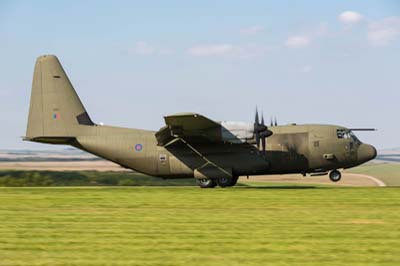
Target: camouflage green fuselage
(291, 149)
(190, 144)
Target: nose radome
(366, 152)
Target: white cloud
(211, 49)
(144, 48)
(227, 50)
(381, 33)
(306, 69)
(298, 41)
(164, 51)
(306, 37)
(321, 30)
(350, 17)
(253, 30)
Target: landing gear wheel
(335, 176)
(227, 181)
(206, 183)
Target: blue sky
(331, 62)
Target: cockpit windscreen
(346, 134)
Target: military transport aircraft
(189, 145)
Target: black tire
(206, 183)
(227, 181)
(335, 176)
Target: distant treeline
(84, 178)
(389, 157)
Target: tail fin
(56, 112)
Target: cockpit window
(341, 134)
(346, 134)
(353, 136)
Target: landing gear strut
(335, 176)
(206, 183)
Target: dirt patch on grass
(348, 179)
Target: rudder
(55, 109)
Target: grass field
(389, 173)
(191, 226)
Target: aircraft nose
(366, 152)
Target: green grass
(191, 226)
(389, 173)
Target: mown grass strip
(192, 226)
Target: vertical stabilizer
(55, 109)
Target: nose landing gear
(335, 176)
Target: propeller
(273, 122)
(261, 131)
(256, 129)
(263, 139)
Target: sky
(133, 62)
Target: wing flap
(189, 126)
(190, 122)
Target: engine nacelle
(237, 132)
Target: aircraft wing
(199, 142)
(189, 126)
(190, 121)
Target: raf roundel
(138, 147)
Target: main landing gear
(227, 181)
(206, 183)
(335, 176)
(221, 181)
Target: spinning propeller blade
(256, 126)
(261, 131)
